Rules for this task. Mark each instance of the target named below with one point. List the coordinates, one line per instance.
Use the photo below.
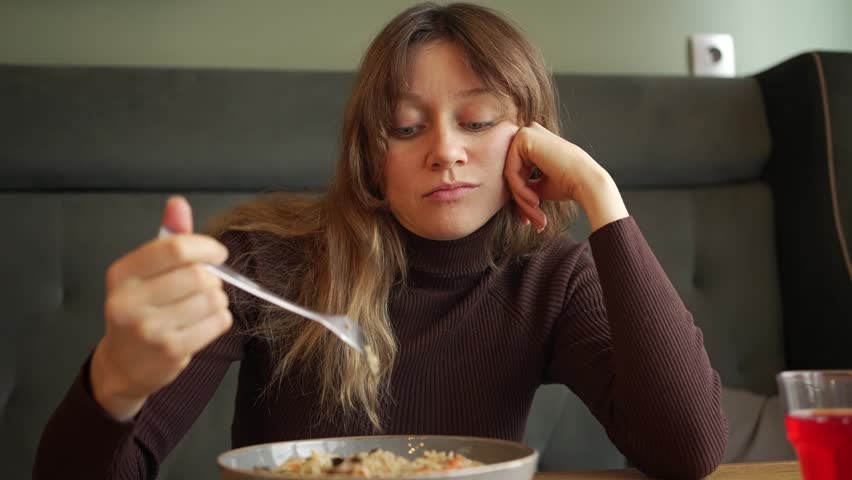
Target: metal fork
(340, 325)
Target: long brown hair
(350, 252)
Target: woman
(443, 235)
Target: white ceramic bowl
(503, 460)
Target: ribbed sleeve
(629, 348)
(79, 416)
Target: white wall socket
(712, 55)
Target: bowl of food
(388, 457)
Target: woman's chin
(447, 235)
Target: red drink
(823, 441)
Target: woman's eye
(477, 126)
(404, 132)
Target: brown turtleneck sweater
(474, 344)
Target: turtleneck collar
(448, 258)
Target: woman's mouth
(451, 191)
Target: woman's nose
(448, 150)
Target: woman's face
(446, 148)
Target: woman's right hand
(162, 306)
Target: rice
(374, 464)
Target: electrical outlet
(712, 55)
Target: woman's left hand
(567, 173)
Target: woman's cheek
(501, 141)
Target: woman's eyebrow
(473, 92)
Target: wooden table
(733, 471)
